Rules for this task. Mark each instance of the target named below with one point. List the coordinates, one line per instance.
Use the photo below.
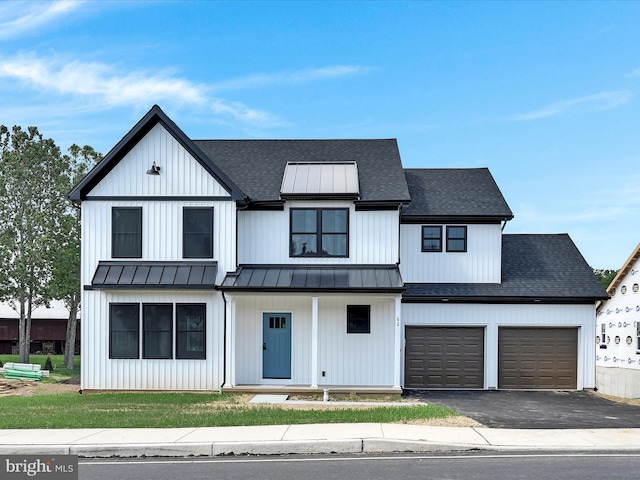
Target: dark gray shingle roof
(454, 192)
(548, 268)
(257, 166)
(315, 278)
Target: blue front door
(276, 345)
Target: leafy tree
(65, 282)
(33, 174)
(605, 275)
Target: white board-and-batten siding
(183, 181)
(494, 316)
(346, 359)
(264, 236)
(99, 372)
(481, 263)
(161, 232)
(180, 173)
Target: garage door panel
(453, 356)
(537, 358)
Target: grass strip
(173, 410)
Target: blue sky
(544, 94)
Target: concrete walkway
(305, 439)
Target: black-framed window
(126, 232)
(191, 331)
(197, 232)
(157, 328)
(432, 238)
(319, 232)
(456, 239)
(358, 319)
(124, 328)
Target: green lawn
(170, 410)
(166, 410)
(60, 371)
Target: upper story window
(457, 239)
(197, 232)
(319, 232)
(432, 238)
(126, 232)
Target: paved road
(477, 466)
(535, 409)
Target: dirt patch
(28, 388)
(626, 401)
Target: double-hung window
(190, 331)
(126, 232)
(319, 232)
(431, 238)
(457, 239)
(124, 328)
(157, 325)
(197, 232)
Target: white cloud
(100, 80)
(287, 78)
(24, 17)
(591, 103)
(106, 87)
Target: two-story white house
(309, 264)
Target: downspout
(247, 201)
(224, 343)
(399, 233)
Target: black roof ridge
(376, 139)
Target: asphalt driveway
(534, 409)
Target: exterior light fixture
(154, 170)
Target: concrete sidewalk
(305, 439)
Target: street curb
(288, 447)
(143, 450)
(381, 445)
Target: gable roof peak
(152, 118)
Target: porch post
(230, 341)
(398, 344)
(314, 342)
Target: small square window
(358, 319)
(431, 238)
(457, 239)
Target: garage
(444, 357)
(537, 358)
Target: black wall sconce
(154, 170)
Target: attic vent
(320, 179)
